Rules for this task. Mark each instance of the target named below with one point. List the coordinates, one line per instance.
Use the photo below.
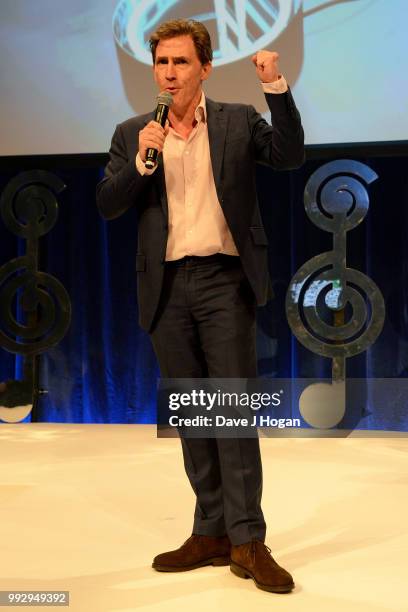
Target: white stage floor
(85, 508)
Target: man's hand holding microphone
(152, 137)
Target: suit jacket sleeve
(280, 145)
(122, 185)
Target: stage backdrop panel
(72, 70)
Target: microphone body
(164, 101)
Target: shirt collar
(200, 113)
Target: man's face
(178, 70)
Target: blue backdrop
(104, 371)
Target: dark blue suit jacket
(239, 138)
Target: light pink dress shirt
(197, 225)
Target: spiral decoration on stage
(238, 29)
(333, 310)
(35, 309)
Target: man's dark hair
(184, 27)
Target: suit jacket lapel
(217, 129)
(161, 182)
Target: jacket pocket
(259, 236)
(140, 263)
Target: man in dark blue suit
(202, 269)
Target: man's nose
(170, 71)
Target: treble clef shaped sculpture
(336, 200)
(35, 309)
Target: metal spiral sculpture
(42, 314)
(336, 200)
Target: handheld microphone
(164, 101)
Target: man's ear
(206, 71)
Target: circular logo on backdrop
(238, 28)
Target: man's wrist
(272, 80)
(141, 168)
(275, 87)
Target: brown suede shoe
(197, 551)
(253, 560)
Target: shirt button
(187, 152)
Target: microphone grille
(165, 98)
